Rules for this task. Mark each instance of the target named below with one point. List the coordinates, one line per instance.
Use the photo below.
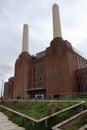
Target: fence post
(46, 123)
(33, 123)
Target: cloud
(6, 71)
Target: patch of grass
(36, 110)
(39, 110)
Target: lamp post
(2, 89)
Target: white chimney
(25, 38)
(56, 22)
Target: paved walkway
(6, 124)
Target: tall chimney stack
(25, 38)
(56, 22)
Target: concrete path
(6, 124)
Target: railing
(68, 120)
(45, 118)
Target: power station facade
(58, 71)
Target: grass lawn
(36, 109)
(40, 109)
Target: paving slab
(6, 124)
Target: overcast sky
(38, 15)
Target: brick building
(57, 71)
(8, 88)
(53, 72)
(81, 79)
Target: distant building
(57, 71)
(8, 88)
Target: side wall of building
(37, 77)
(81, 80)
(59, 68)
(8, 89)
(22, 79)
(80, 62)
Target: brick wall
(59, 68)
(22, 76)
(8, 89)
